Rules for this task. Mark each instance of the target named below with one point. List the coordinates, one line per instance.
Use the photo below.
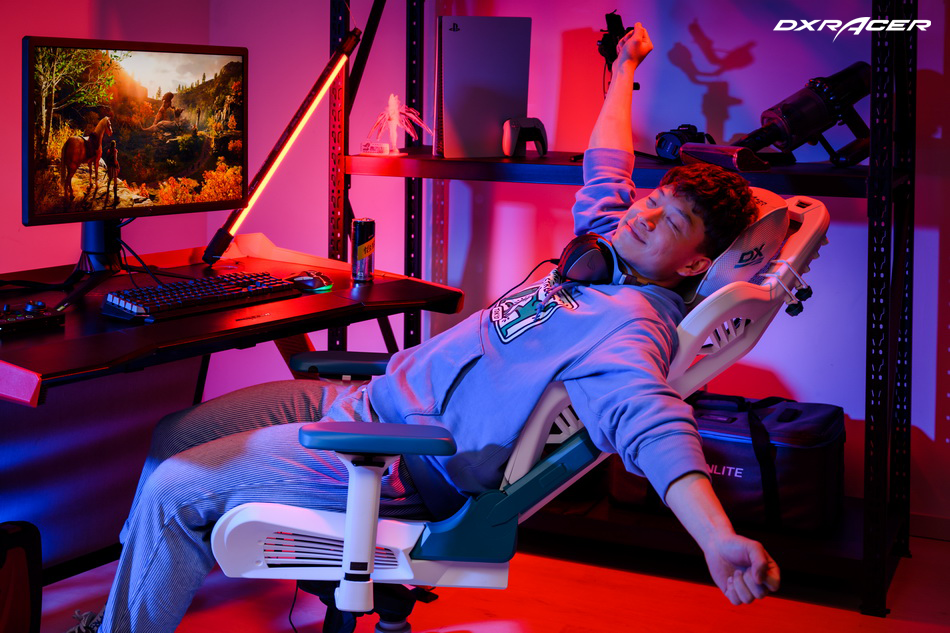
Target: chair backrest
(718, 331)
(750, 251)
(730, 321)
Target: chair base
(393, 604)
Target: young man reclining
(611, 344)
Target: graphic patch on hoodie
(519, 312)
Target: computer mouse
(311, 281)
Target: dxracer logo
(856, 26)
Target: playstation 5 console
(481, 82)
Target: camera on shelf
(668, 144)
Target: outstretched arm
(613, 128)
(740, 567)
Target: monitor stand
(100, 260)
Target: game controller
(517, 132)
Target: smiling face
(661, 239)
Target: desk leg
(294, 345)
(386, 329)
(202, 379)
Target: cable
(123, 255)
(144, 266)
(33, 285)
(68, 283)
(290, 614)
(124, 264)
(505, 294)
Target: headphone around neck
(587, 258)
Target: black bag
(774, 463)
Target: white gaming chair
(472, 548)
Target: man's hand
(741, 568)
(633, 48)
(613, 128)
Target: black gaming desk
(70, 457)
(91, 345)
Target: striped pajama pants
(238, 448)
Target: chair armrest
(377, 438)
(368, 449)
(341, 363)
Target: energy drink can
(363, 246)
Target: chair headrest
(755, 247)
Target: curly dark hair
(721, 198)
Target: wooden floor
(548, 595)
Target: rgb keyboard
(195, 296)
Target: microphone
(805, 116)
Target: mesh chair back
(751, 251)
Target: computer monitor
(116, 130)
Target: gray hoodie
(610, 344)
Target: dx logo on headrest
(750, 257)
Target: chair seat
(377, 438)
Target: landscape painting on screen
(115, 129)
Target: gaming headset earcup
(587, 258)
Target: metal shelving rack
(882, 517)
(889, 303)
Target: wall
(499, 231)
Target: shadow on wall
(717, 100)
(751, 381)
(471, 222)
(582, 89)
(466, 7)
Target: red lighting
(222, 238)
(286, 148)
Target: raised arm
(613, 128)
(608, 189)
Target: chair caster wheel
(393, 627)
(336, 621)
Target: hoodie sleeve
(607, 193)
(620, 391)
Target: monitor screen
(129, 129)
